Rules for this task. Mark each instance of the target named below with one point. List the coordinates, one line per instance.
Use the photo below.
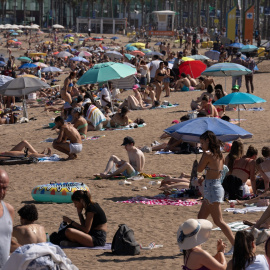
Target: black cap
(128, 140)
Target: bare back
(136, 159)
(71, 133)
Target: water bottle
(47, 237)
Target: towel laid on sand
(235, 226)
(107, 246)
(255, 109)
(52, 158)
(165, 106)
(128, 127)
(155, 201)
(246, 209)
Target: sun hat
(128, 140)
(193, 232)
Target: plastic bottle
(47, 237)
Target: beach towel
(246, 209)
(107, 246)
(94, 116)
(235, 226)
(93, 138)
(255, 109)
(155, 201)
(165, 106)
(128, 127)
(164, 152)
(52, 158)
(37, 257)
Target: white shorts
(75, 148)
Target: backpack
(124, 242)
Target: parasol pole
(238, 114)
(110, 96)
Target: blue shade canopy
(236, 45)
(214, 55)
(129, 56)
(248, 48)
(78, 58)
(239, 98)
(104, 72)
(191, 130)
(226, 69)
(131, 48)
(24, 59)
(28, 65)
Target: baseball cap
(235, 87)
(128, 140)
(136, 86)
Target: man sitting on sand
(67, 132)
(27, 232)
(183, 83)
(128, 169)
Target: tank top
(5, 235)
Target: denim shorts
(213, 190)
(166, 80)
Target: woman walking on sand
(212, 162)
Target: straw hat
(193, 232)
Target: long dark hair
(243, 254)
(237, 151)
(82, 194)
(214, 143)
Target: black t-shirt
(99, 215)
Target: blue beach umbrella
(14, 34)
(214, 55)
(129, 56)
(28, 65)
(114, 38)
(238, 98)
(51, 69)
(191, 130)
(158, 43)
(131, 48)
(236, 45)
(78, 58)
(248, 48)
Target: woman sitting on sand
(17, 151)
(79, 122)
(149, 94)
(134, 102)
(91, 230)
(118, 119)
(241, 168)
(208, 107)
(244, 257)
(264, 167)
(190, 237)
(220, 108)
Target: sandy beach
(151, 223)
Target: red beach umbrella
(193, 68)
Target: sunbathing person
(134, 102)
(79, 122)
(118, 119)
(208, 107)
(28, 232)
(128, 169)
(91, 230)
(8, 118)
(149, 95)
(183, 83)
(67, 132)
(194, 103)
(94, 117)
(24, 149)
(193, 82)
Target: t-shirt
(176, 62)
(155, 65)
(260, 263)
(105, 92)
(99, 215)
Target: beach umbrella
(4, 79)
(22, 86)
(2, 64)
(48, 42)
(131, 48)
(238, 98)
(39, 64)
(129, 64)
(193, 68)
(114, 54)
(139, 45)
(24, 59)
(68, 35)
(213, 55)
(15, 39)
(236, 45)
(158, 43)
(152, 53)
(97, 38)
(28, 65)
(199, 57)
(64, 54)
(79, 59)
(84, 49)
(18, 43)
(187, 58)
(129, 56)
(84, 53)
(137, 53)
(51, 69)
(191, 130)
(58, 26)
(248, 48)
(14, 34)
(146, 50)
(114, 38)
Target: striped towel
(95, 116)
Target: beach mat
(254, 109)
(155, 201)
(108, 246)
(245, 210)
(129, 127)
(235, 226)
(18, 161)
(165, 106)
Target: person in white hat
(191, 234)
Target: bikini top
(161, 74)
(70, 85)
(186, 268)
(243, 169)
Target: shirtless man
(68, 84)
(27, 232)
(200, 85)
(183, 84)
(129, 169)
(67, 132)
(208, 81)
(193, 82)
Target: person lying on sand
(118, 119)
(67, 132)
(18, 151)
(28, 232)
(128, 169)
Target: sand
(150, 223)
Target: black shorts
(99, 237)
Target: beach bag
(124, 242)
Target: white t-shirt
(260, 263)
(155, 65)
(105, 92)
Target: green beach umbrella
(105, 72)
(129, 56)
(24, 59)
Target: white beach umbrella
(64, 54)
(58, 26)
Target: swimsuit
(186, 268)
(75, 148)
(127, 175)
(243, 169)
(82, 126)
(185, 88)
